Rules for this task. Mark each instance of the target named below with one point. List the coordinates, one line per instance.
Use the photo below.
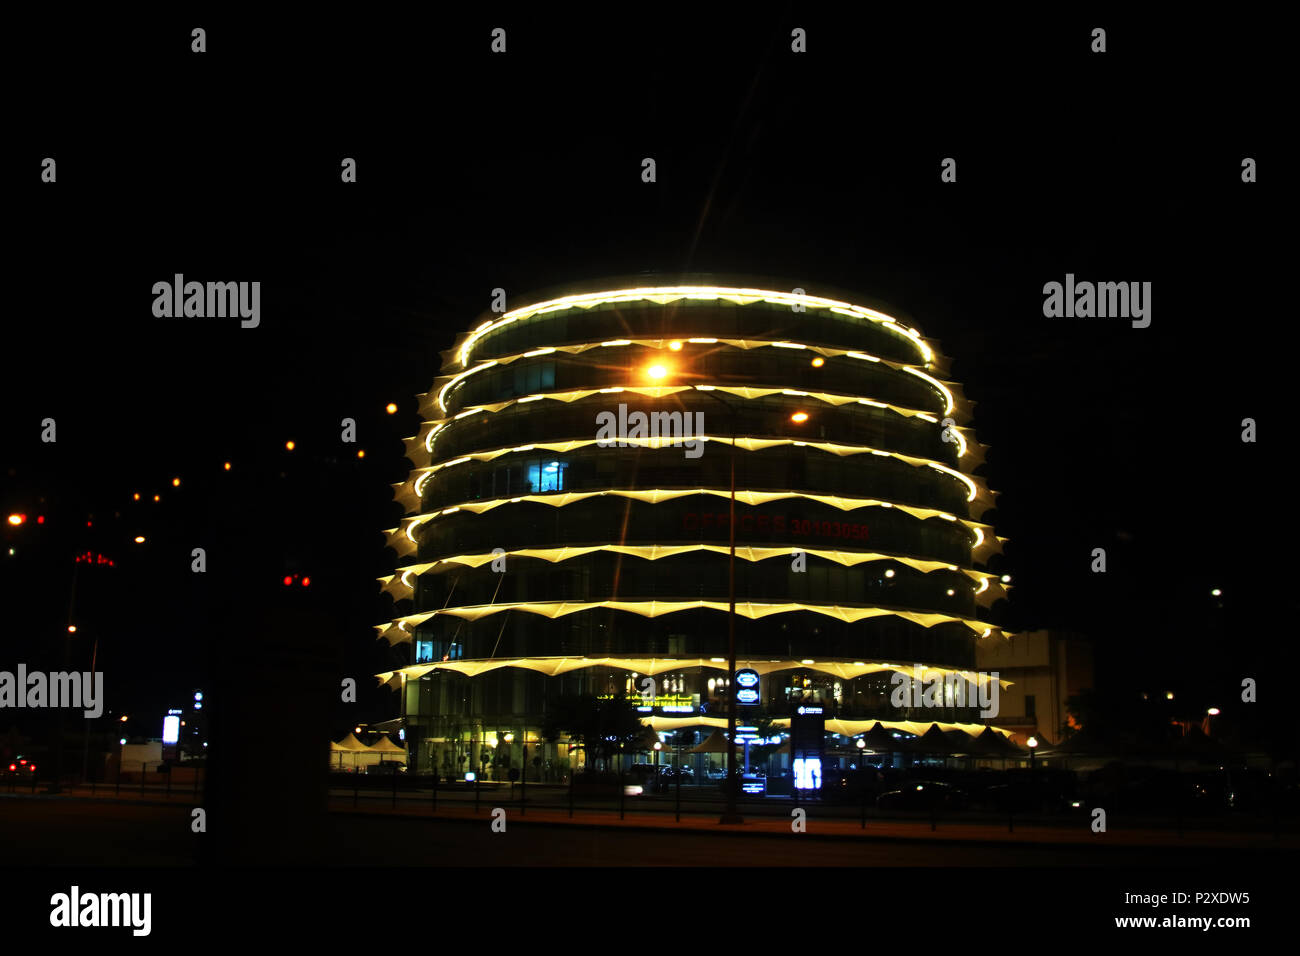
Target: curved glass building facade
(567, 526)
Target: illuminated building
(538, 558)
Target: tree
(603, 726)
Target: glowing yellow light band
(655, 495)
(656, 552)
(666, 294)
(442, 392)
(937, 384)
(659, 391)
(753, 610)
(749, 444)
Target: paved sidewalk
(946, 831)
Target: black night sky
(523, 171)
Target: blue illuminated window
(546, 475)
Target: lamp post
(731, 814)
(1032, 743)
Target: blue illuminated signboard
(747, 687)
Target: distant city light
(1213, 712)
(818, 362)
(889, 573)
(306, 581)
(1216, 592)
(17, 519)
(361, 453)
(139, 539)
(136, 496)
(72, 629)
(1006, 579)
(675, 346)
(1169, 695)
(391, 408)
(157, 497)
(40, 519)
(176, 482)
(226, 466)
(289, 446)
(799, 417)
(287, 580)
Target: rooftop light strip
(666, 294)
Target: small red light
(13, 766)
(306, 581)
(89, 525)
(287, 580)
(40, 519)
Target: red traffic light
(306, 581)
(287, 580)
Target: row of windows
(693, 634)
(444, 697)
(694, 519)
(779, 468)
(721, 320)
(768, 417)
(773, 368)
(697, 576)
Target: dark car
(388, 768)
(923, 795)
(20, 770)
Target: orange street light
(226, 466)
(657, 371)
(675, 346)
(799, 417)
(157, 497)
(72, 629)
(818, 362)
(391, 408)
(176, 482)
(361, 453)
(16, 519)
(288, 446)
(139, 539)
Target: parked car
(20, 770)
(923, 795)
(387, 768)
